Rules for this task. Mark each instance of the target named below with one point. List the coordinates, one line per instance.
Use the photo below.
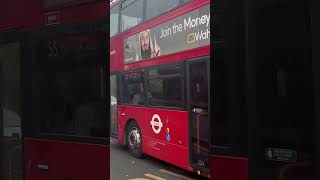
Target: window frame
(120, 14)
(144, 19)
(181, 3)
(145, 86)
(17, 36)
(58, 67)
(122, 84)
(118, 8)
(181, 75)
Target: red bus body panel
(12, 19)
(85, 12)
(20, 13)
(175, 150)
(28, 15)
(65, 159)
(228, 168)
(116, 54)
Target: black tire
(134, 139)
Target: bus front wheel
(134, 139)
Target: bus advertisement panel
(191, 30)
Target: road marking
(139, 179)
(175, 174)
(154, 177)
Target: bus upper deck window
(131, 14)
(156, 7)
(114, 21)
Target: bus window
(70, 102)
(130, 17)
(156, 7)
(185, 1)
(113, 105)
(10, 112)
(114, 21)
(165, 87)
(133, 91)
(221, 124)
(218, 27)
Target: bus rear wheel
(134, 139)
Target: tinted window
(173, 70)
(70, 102)
(185, 1)
(220, 125)
(165, 87)
(131, 14)
(71, 89)
(165, 91)
(113, 89)
(156, 7)
(114, 21)
(218, 26)
(133, 90)
(199, 84)
(113, 105)
(10, 112)
(218, 5)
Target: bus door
(198, 106)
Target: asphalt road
(126, 167)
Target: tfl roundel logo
(156, 123)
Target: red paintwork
(116, 42)
(28, 15)
(65, 159)
(228, 168)
(155, 145)
(179, 56)
(92, 11)
(20, 13)
(116, 54)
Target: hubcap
(134, 138)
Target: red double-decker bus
(159, 55)
(54, 109)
